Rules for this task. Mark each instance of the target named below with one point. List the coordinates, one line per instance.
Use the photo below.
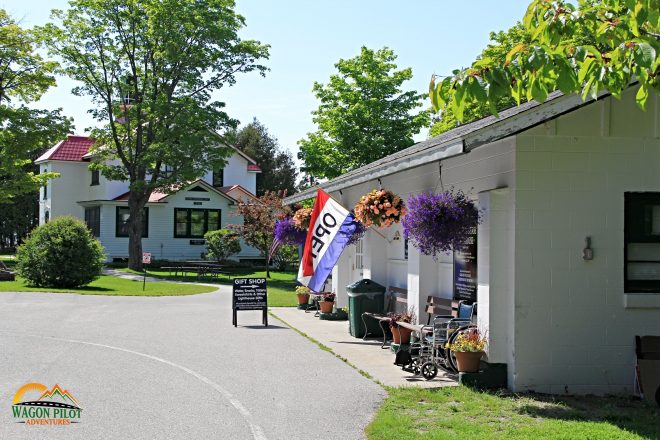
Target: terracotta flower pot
(468, 361)
(303, 298)
(396, 335)
(405, 335)
(326, 306)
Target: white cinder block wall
(572, 331)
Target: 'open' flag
(330, 228)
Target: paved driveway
(174, 367)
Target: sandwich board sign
(250, 294)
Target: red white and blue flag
(330, 229)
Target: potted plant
(327, 303)
(303, 295)
(439, 223)
(468, 348)
(394, 327)
(379, 207)
(409, 317)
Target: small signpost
(146, 259)
(250, 294)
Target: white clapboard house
(174, 224)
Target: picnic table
(200, 268)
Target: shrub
(286, 257)
(221, 244)
(62, 254)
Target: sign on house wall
(465, 270)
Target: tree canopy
(501, 43)
(150, 67)
(259, 217)
(599, 45)
(278, 171)
(26, 131)
(364, 115)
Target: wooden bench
(441, 306)
(5, 273)
(394, 296)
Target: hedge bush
(62, 253)
(221, 244)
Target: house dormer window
(95, 178)
(218, 177)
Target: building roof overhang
(460, 140)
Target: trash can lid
(365, 286)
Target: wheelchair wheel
(450, 359)
(415, 367)
(429, 370)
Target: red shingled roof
(251, 167)
(73, 148)
(155, 197)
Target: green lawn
(461, 413)
(281, 285)
(109, 285)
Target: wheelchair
(433, 348)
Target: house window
(359, 254)
(168, 170)
(92, 218)
(194, 223)
(642, 242)
(218, 177)
(95, 178)
(122, 219)
(45, 186)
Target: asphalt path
(175, 368)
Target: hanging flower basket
(286, 232)
(439, 223)
(302, 217)
(360, 230)
(380, 207)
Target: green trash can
(364, 296)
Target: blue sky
(308, 37)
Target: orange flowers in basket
(380, 207)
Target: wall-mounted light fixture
(587, 252)
(397, 236)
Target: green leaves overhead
(26, 132)
(600, 45)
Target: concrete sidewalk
(365, 355)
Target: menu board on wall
(465, 270)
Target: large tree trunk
(136, 204)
